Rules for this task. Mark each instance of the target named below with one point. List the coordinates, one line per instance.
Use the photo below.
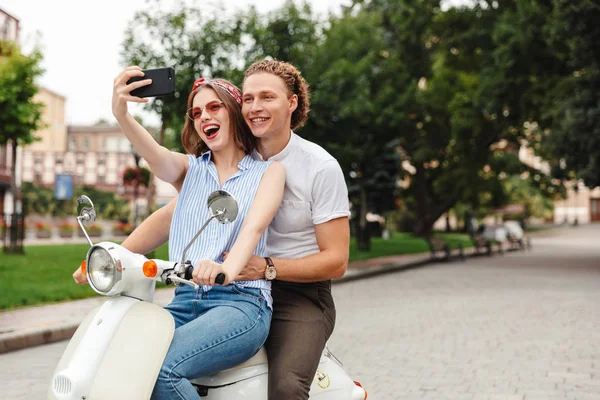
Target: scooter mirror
(86, 211)
(223, 207)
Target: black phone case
(163, 83)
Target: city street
(522, 326)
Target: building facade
(53, 136)
(582, 204)
(96, 156)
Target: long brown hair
(294, 81)
(190, 138)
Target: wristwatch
(270, 271)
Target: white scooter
(117, 351)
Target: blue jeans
(214, 331)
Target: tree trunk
(427, 213)
(448, 222)
(422, 225)
(13, 180)
(363, 237)
(13, 245)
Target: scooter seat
(258, 361)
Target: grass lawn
(43, 275)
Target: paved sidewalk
(34, 326)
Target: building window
(124, 145)
(72, 144)
(100, 180)
(86, 144)
(111, 145)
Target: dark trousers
(303, 319)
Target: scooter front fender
(118, 360)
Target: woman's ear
(293, 103)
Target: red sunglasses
(212, 107)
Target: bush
(42, 226)
(94, 229)
(66, 227)
(122, 228)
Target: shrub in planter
(93, 231)
(122, 229)
(66, 229)
(42, 230)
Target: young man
(308, 240)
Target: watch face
(270, 274)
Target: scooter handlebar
(188, 275)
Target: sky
(81, 41)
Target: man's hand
(255, 269)
(79, 277)
(206, 271)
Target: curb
(35, 337)
(353, 275)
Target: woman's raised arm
(169, 166)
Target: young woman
(308, 239)
(217, 327)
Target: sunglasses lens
(213, 107)
(194, 113)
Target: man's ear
(293, 103)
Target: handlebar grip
(188, 273)
(220, 278)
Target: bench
(484, 245)
(514, 243)
(439, 245)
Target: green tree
(354, 80)
(194, 42)
(41, 201)
(572, 141)
(20, 115)
(289, 33)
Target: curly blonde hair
(294, 82)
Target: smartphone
(163, 82)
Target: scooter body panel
(332, 382)
(70, 350)
(117, 351)
(254, 387)
(250, 381)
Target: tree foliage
(404, 91)
(20, 115)
(40, 200)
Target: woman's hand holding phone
(121, 90)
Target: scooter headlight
(102, 269)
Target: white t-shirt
(315, 192)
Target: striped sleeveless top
(191, 212)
